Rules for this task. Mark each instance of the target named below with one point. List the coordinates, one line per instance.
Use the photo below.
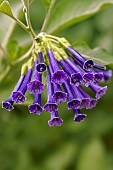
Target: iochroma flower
(67, 73)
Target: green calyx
(30, 63)
(64, 43)
(24, 69)
(57, 56)
(44, 42)
(60, 53)
(47, 60)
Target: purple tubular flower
(107, 75)
(88, 65)
(59, 96)
(18, 96)
(41, 66)
(88, 78)
(8, 104)
(98, 76)
(36, 86)
(93, 101)
(76, 77)
(78, 116)
(85, 78)
(84, 101)
(50, 106)
(99, 66)
(80, 60)
(58, 76)
(73, 102)
(98, 90)
(36, 106)
(55, 119)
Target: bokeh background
(26, 140)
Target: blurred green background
(26, 140)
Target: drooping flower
(84, 101)
(73, 103)
(85, 64)
(36, 106)
(18, 96)
(99, 66)
(36, 86)
(92, 101)
(75, 77)
(50, 106)
(98, 90)
(98, 76)
(8, 104)
(58, 95)
(78, 75)
(55, 119)
(107, 75)
(41, 66)
(58, 76)
(78, 115)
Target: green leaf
(93, 156)
(98, 54)
(67, 13)
(47, 3)
(6, 9)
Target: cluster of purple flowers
(67, 72)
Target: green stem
(29, 26)
(26, 28)
(47, 16)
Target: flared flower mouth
(41, 67)
(76, 79)
(88, 78)
(79, 117)
(88, 65)
(101, 92)
(74, 104)
(18, 97)
(50, 107)
(98, 77)
(107, 75)
(56, 121)
(35, 86)
(59, 77)
(93, 103)
(7, 105)
(59, 97)
(35, 108)
(84, 103)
